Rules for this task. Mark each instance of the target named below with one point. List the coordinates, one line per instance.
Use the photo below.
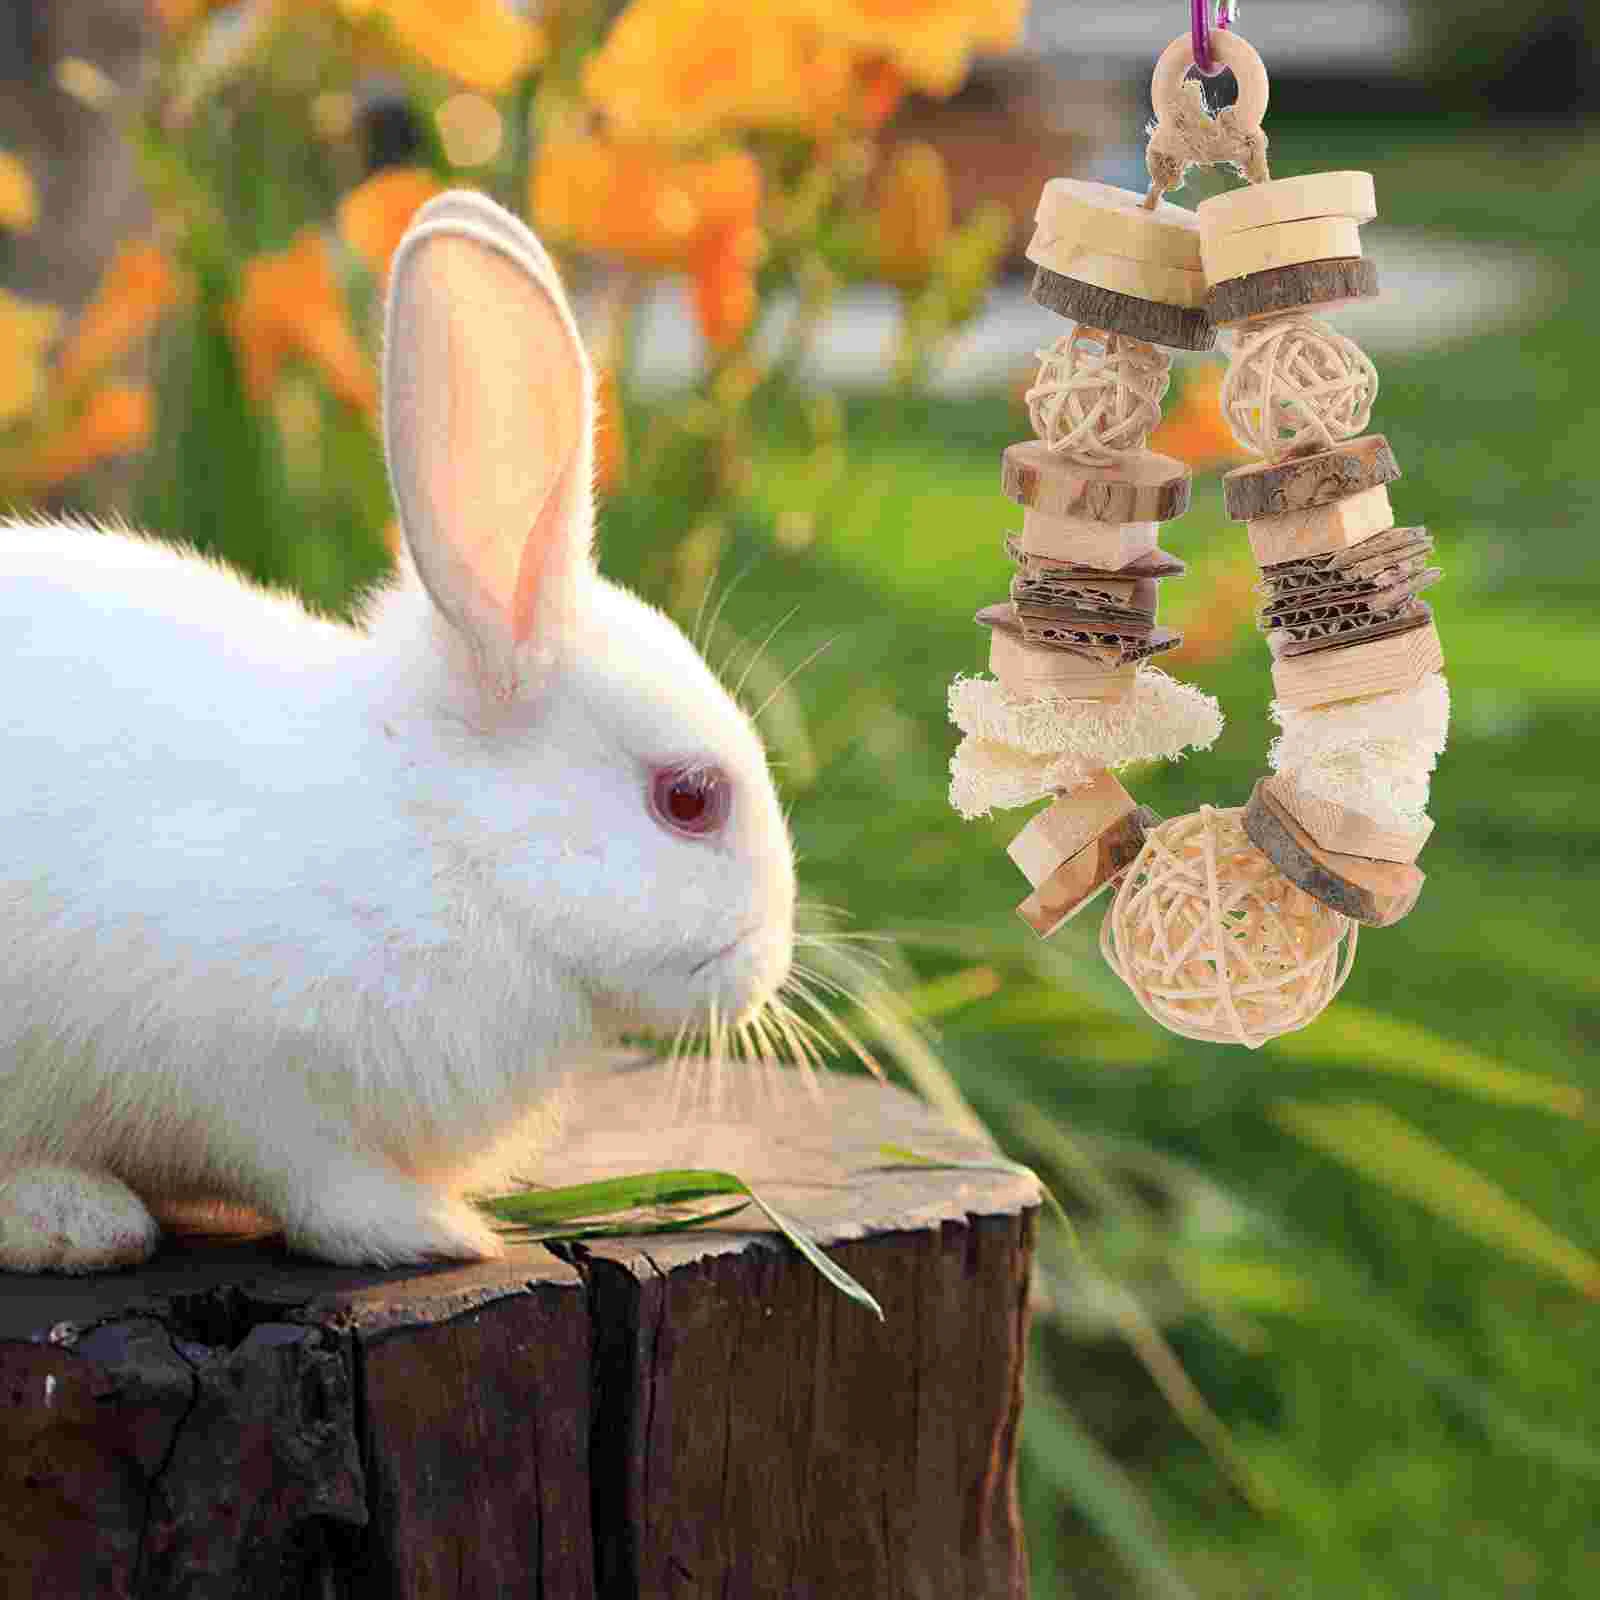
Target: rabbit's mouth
(719, 955)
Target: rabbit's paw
(61, 1219)
(381, 1221)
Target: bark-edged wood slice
(1348, 832)
(1278, 488)
(1307, 286)
(1175, 327)
(1377, 893)
(1150, 487)
(1083, 876)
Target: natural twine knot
(1215, 943)
(1295, 386)
(1098, 395)
(1188, 135)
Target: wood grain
(685, 1417)
(1107, 546)
(1067, 825)
(1348, 832)
(1314, 194)
(1282, 488)
(1352, 671)
(1308, 286)
(1081, 877)
(1148, 488)
(1284, 244)
(1079, 214)
(1320, 529)
(1377, 893)
(1174, 327)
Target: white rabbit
(312, 919)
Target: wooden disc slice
(1174, 327)
(1147, 488)
(1276, 488)
(1072, 821)
(1284, 244)
(1141, 280)
(1077, 214)
(1377, 893)
(1348, 832)
(1316, 194)
(1309, 286)
(1084, 875)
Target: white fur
(314, 918)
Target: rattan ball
(1098, 395)
(1215, 942)
(1296, 386)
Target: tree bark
(680, 1416)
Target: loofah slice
(985, 776)
(1159, 720)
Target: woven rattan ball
(1215, 942)
(1098, 395)
(1297, 386)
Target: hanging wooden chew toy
(1235, 924)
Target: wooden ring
(1232, 51)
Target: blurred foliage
(1319, 1329)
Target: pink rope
(1200, 31)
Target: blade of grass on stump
(571, 1232)
(580, 1204)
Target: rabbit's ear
(488, 428)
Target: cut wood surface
(1138, 280)
(1308, 286)
(1353, 671)
(1279, 488)
(1377, 893)
(1284, 244)
(1104, 546)
(1314, 194)
(1066, 825)
(1029, 670)
(1083, 876)
(1322, 529)
(1079, 214)
(1149, 487)
(685, 1416)
(1174, 327)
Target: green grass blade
(812, 1251)
(620, 1230)
(1388, 1044)
(1373, 1141)
(562, 1212)
(901, 1156)
(1062, 1451)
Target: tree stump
(674, 1416)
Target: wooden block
(1284, 244)
(1140, 280)
(1277, 488)
(1174, 327)
(1353, 671)
(1348, 832)
(1083, 542)
(1320, 529)
(1316, 194)
(1377, 893)
(1309, 286)
(1076, 214)
(1064, 827)
(1081, 877)
(1147, 488)
(1031, 670)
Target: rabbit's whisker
(791, 675)
(759, 650)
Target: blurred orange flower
(722, 282)
(638, 200)
(930, 42)
(679, 70)
(610, 440)
(117, 418)
(913, 212)
(290, 307)
(375, 214)
(137, 287)
(1212, 631)
(1194, 429)
(19, 201)
(176, 15)
(483, 43)
(27, 330)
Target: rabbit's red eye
(691, 800)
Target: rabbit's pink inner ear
(489, 415)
